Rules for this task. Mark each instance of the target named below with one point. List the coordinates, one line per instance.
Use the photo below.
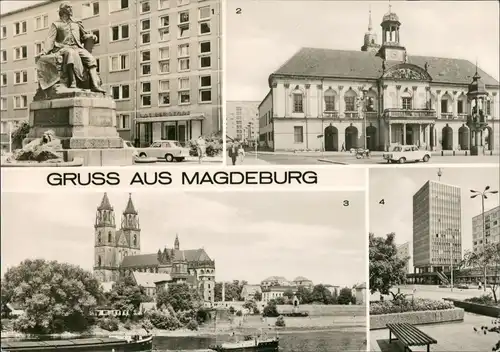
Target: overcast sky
(396, 186)
(250, 235)
(11, 5)
(267, 33)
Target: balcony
(331, 115)
(351, 115)
(371, 115)
(447, 115)
(462, 116)
(417, 114)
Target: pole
(10, 137)
(451, 266)
(484, 240)
(256, 143)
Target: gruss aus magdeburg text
(145, 178)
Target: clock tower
(391, 49)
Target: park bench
(409, 336)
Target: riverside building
(159, 59)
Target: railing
(462, 116)
(371, 114)
(351, 115)
(331, 114)
(403, 113)
(447, 115)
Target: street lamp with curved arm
(483, 195)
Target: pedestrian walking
(201, 148)
(241, 154)
(233, 153)
(343, 147)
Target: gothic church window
(99, 260)
(298, 102)
(99, 238)
(135, 240)
(109, 236)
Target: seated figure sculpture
(66, 61)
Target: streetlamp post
(483, 195)
(451, 266)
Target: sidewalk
(377, 153)
(250, 159)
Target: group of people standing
(236, 153)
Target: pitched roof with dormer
(331, 63)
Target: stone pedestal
(85, 122)
(82, 120)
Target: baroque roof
(152, 260)
(331, 63)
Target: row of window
(92, 9)
(121, 62)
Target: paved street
(337, 158)
(451, 337)
(249, 159)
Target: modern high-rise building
(159, 59)
(242, 121)
(404, 253)
(491, 228)
(437, 234)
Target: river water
(290, 341)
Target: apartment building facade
(242, 121)
(437, 234)
(491, 228)
(159, 59)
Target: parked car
(403, 153)
(168, 150)
(129, 145)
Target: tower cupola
(391, 49)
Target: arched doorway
(488, 139)
(463, 138)
(371, 138)
(447, 138)
(331, 139)
(351, 137)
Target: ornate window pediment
(407, 72)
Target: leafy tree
(127, 295)
(250, 305)
(19, 134)
(56, 296)
(270, 310)
(386, 269)
(258, 296)
(288, 294)
(345, 296)
(487, 257)
(322, 295)
(280, 300)
(280, 322)
(180, 297)
(304, 295)
(232, 290)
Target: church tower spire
(130, 229)
(176, 243)
(370, 39)
(106, 265)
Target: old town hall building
(378, 97)
(118, 252)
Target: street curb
(332, 162)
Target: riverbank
(237, 325)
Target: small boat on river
(249, 344)
(94, 344)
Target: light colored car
(403, 153)
(168, 150)
(129, 145)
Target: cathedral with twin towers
(117, 252)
